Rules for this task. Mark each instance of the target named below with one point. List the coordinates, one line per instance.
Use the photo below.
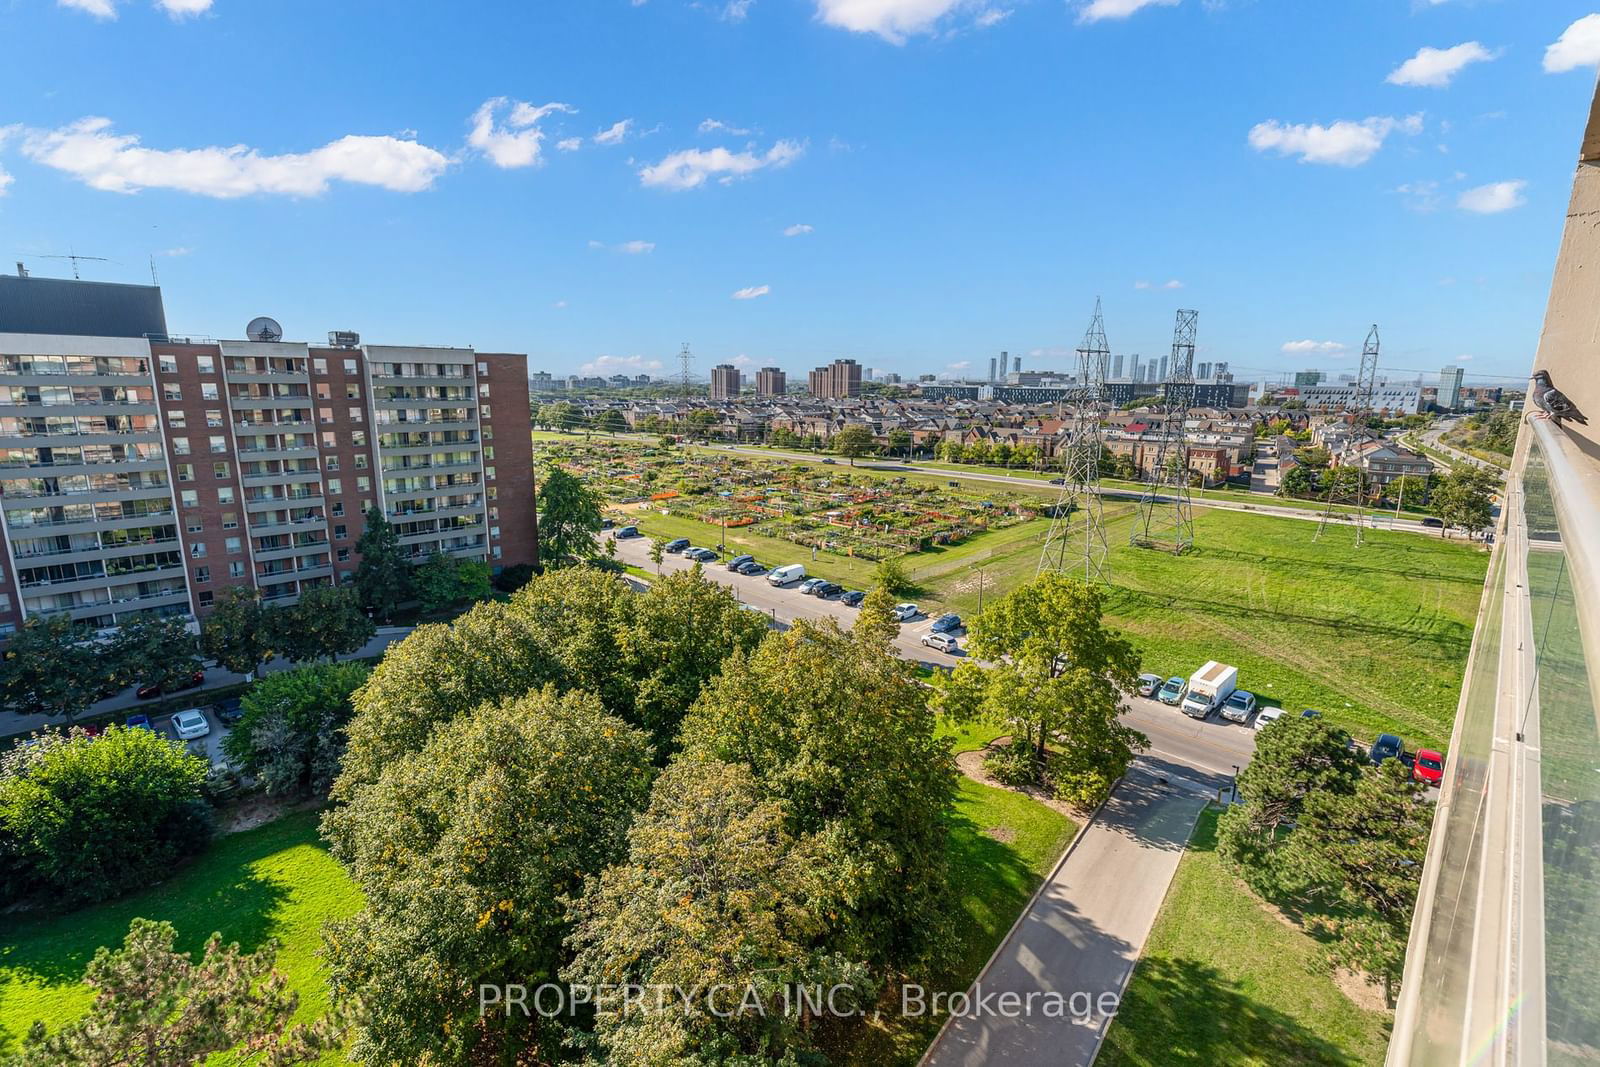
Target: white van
(784, 575)
(1210, 686)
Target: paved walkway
(1083, 933)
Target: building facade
(770, 381)
(725, 381)
(146, 476)
(839, 380)
(1449, 397)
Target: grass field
(1001, 847)
(1223, 981)
(273, 882)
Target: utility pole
(1076, 542)
(1166, 510)
(1366, 388)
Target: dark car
(677, 544)
(606, 524)
(1386, 747)
(228, 711)
(1311, 713)
(739, 561)
(147, 692)
(628, 531)
(752, 568)
(138, 722)
(946, 623)
(853, 598)
(1433, 524)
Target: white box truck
(1208, 688)
(784, 575)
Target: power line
(1339, 488)
(1166, 510)
(1077, 536)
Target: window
(190, 498)
(361, 461)
(483, 368)
(355, 414)
(202, 575)
(363, 484)
(194, 526)
(488, 433)
(234, 546)
(494, 532)
(186, 472)
(338, 508)
(332, 464)
(349, 366)
(488, 472)
(205, 598)
(366, 504)
(324, 391)
(169, 364)
(488, 452)
(496, 551)
(335, 486)
(352, 391)
(324, 415)
(219, 469)
(219, 444)
(236, 569)
(330, 439)
(230, 520)
(213, 418)
(176, 420)
(319, 366)
(358, 438)
(172, 391)
(180, 446)
(206, 364)
(494, 514)
(197, 550)
(225, 495)
(341, 532)
(208, 390)
(483, 409)
(344, 555)
(483, 389)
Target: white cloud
(1173, 284)
(91, 152)
(798, 229)
(1435, 68)
(1301, 348)
(1420, 196)
(517, 142)
(107, 9)
(1578, 46)
(569, 144)
(993, 16)
(615, 133)
(750, 292)
(637, 248)
(100, 9)
(689, 169)
(736, 10)
(180, 9)
(619, 364)
(559, 304)
(1096, 10)
(718, 126)
(5, 181)
(958, 365)
(174, 253)
(897, 20)
(1493, 198)
(1346, 143)
(1463, 359)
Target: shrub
(292, 733)
(87, 818)
(1013, 764)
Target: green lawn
(274, 882)
(1222, 981)
(1001, 846)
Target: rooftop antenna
(1166, 510)
(1354, 488)
(153, 279)
(76, 259)
(1076, 541)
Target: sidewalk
(12, 724)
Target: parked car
(1149, 683)
(700, 555)
(906, 612)
(941, 643)
(853, 598)
(147, 692)
(809, 586)
(1240, 705)
(228, 711)
(138, 722)
(827, 589)
(1433, 523)
(627, 531)
(677, 544)
(751, 568)
(792, 572)
(830, 462)
(947, 623)
(1209, 688)
(1171, 692)
(1267, 716)
(190, 723)
(739, 561)
(606, 524)
(953, 484)
(1386, 747)
(1429, 767)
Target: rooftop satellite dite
(264, 329)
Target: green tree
(1058, 675)
(88, 818)
(1464, 498)
(291, 733)
(569, 519)
(1409, 490)
(1313, 457)
(611, 421)
(325, 623)
(1300, 481)
(842, 734)
(445, 582)
(852, 441)
(238, 632)
(463, 850)
(383, 578)
(900, 443)
(715, 891)
(891, 574)
(54, 666)
(658, 550)
(156, 1007)
(1359, 855)
(155, 650)
(876, 622)
(700, 423)
(566, 417)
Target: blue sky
(918, 184)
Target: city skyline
(593, 207)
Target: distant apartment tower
(1203, 373)
(724, 381)
(1450, 387)
(991, 368)
(770, 381)
(839, 380)
(1116, 366)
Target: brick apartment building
(839, 380)
(149, 475)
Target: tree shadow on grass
(1184, 1011)
(988, 870)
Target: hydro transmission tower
(1166, 510)
(1352, 489)
(1076, 542)
(685, 364)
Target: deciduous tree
(327, 622)
(238, 632)
(852, 441)
(383, 578)
(291, 732)
(569, 519)
(155, 650)
(54, 666)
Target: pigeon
(1552, 402)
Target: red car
(1429, 768)
(146, 692)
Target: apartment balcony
(275, 451)
(24, 559)
(279, 503)
(286, 525)
(259, 403)
(295, 574)
(257, 429)
(280, 477)
(429, 447)
(268, 555)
